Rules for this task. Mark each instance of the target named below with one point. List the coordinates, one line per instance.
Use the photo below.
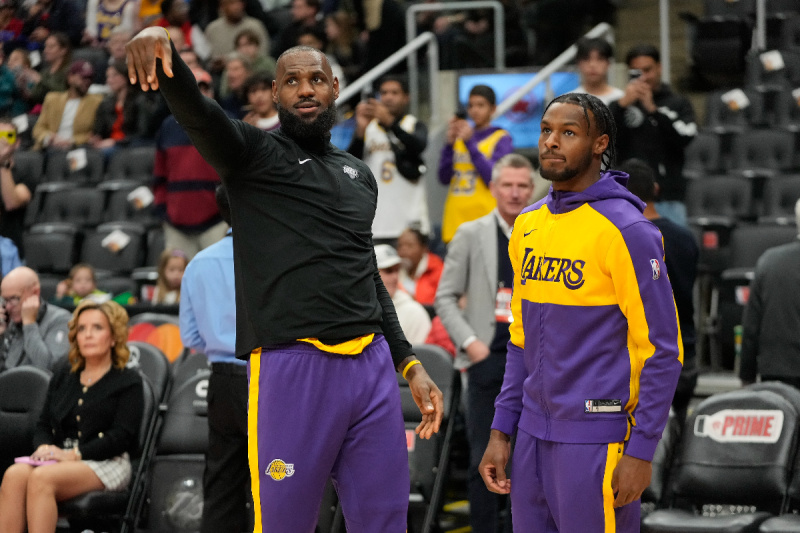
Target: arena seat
(722, 117)
(57, 167)
(119, 208)
(122, 261)
(780, 197)
(734, 467)
(176, 474)
(51, 248)
(188, 365)
(762, 153)
(154, 364)
(702, 156)
(105, 510)
(43, 190)
(82, 206)
(428, 459)
(133, 164)
(160, 330)
(28, 166)
(22, 394)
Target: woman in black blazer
(88, 427)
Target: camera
(461, 113)
(634, 74)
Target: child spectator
(103, 16)
(262, 114)
(467, 161)
(421, 269)
(170, 273)
(80, 285)
(248, 44)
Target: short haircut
(248, 33)
(604, 120)
(223, 204)
(259, 80)
(6, 119)
(511, 161)
(587, 45)
(316, 33)
(484, 91)
(397, 78)
(642, 179)
(646, 50)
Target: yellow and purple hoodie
(595, 348)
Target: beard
(568, 173)
(298, 128)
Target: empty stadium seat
(51, 247)
(735, 464)
(134, 164)
(122, 261)
(176, 480)
(155, 245)
(119, 208)
(57, 167)
(82, 206)
(28, 166)
(34, 209)
(780, 197)
(718, 200)
(702, 156)
(762, 153)
(160, 330)
(22, 394)
(729, 117)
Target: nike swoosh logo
(304, 160)
(531, 231)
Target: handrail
(411, 30)
(425, 39)
(601, 30)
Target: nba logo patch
(587, 406)
(656, 268)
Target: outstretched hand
(428, 398)
(141, 54)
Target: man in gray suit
(478, 269)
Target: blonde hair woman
(88, 427)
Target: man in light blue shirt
(208, 325)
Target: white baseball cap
(387, 256)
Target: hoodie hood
(612, 184)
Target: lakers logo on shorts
(278, 470)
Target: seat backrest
(57, 167)
(82, 206)
(702, 156)
(780, 196)
(763, 149)
(186, 420)
(738, 448)
(118, 207)
(28, 166)
(120, 262)
(51, 247)
(189, 365)
(43, 190)
(133, 164)
(719, 196)
(720, 113)
(726, 8)
(155, 245)
(116, 285)
(152, 363)
(748, 243)
(22, 394)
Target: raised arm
(214, 135)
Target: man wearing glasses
(31, 331)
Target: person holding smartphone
(655, 125)
(468, 158)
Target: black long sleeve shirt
(303, 256)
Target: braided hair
(603, 118)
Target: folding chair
(152, 363)
(22, 394)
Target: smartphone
(461, 113)
(634, 74)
